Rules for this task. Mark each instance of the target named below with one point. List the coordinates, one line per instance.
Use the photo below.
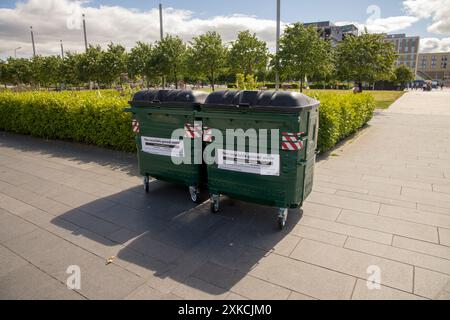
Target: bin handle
(243, 105)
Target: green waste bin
(156, 115)
(281, 178)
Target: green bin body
(290, 113)
(158, 113)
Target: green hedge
(97, 117)
(342, 115)
(86, 117)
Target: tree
(168, 58)
(88, 65)
(37, 70)
(207, 56)
(302, 54)
(53, 66)
(112, 64)
(20, 71)
(403, 75)
(5, 76)
(139, 63)
(69, 70)
(367, 58)
(248, 54)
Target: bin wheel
(195, 194)
(215, 200)
(146, 184)
(282, 218)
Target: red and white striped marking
(207, 134)
(292, 141)
(136, 126)
(193, 131)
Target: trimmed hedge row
(342, 115)
(86, 117)
(98, 118)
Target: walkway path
(381, 207)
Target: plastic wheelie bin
(280, 175)
(156, 115)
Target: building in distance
(333, 33)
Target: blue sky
(292, 10)
(126, 22)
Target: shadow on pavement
(82, 153)
(169, 240)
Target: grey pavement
(380, 207)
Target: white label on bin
(256, 163)
(163, 147)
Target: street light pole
(62, 49)
(32, 41)
(161, 27)
(161, 36)
(15, 51)
(84, 32)
(277, 75)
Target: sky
(127, 22)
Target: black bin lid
(181, 98)
(264, 101)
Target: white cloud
(384, 25)
(53, 20)
(434, 45)
(436, 10)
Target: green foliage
(85, 117)
(98, 118)
(88, 66)
(342, 115)
(367, 58)
(169, 57)
(248, 54)
(207, 57)
(4, 73)
(240, 81)
(19, 71)
(46, 71)
(112, 63)
(247, 82)
(302, 54)
(250, 83)
(70, 72)
(139, 63)
(403, 75)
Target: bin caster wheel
(146, 184)
(215, 203)
(282, 218)
(195, 194)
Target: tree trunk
(360, 87)
(212, 81)
(301, 85)
(176, 80)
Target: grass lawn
(383, 99)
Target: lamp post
(15, 51)
(277, 75)
(62, 49)
(32, 41)
(84, 32)
(161, 27)
(161, 36)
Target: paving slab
(382, 201)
